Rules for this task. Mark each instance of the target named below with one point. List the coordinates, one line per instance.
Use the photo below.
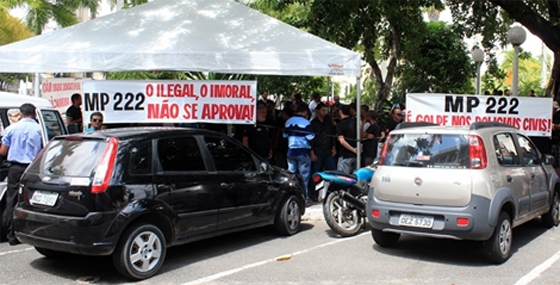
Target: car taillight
(375, 213)
(105, 167)
(384, 151)
(477, 153)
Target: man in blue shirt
(21, 142)
(96, 120)
(299, 133)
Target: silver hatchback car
(465, 183)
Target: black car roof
(142, 132)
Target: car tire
(140, 252)
(384, 239)
(498, 247)
(552, 218)
(342, 218)
(53, 254)
(288, 217)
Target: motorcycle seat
(336, 172)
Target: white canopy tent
(220, 36)
(185, 35)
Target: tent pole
(328, 92)
(36, 85)
(358, 124)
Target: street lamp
(516, 36)
(478, 57)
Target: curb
(313, 213)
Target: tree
(492, 19)
(11, 30)
(374, 27)
(61, 11)
(436, 61)
(529, 74)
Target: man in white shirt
(315, 99)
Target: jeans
(302, 165)
(324, 162)
(346, 165)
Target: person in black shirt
(346, 133)
(257, 137)
(323, 150)
(371, 138)
(74, 120)
(280, 143)
(396, 116)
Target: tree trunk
(553, 88)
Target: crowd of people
(309, 137)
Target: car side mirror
(548, 159)
(264, 168)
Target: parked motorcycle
(346, 196)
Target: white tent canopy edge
(220, 36)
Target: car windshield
(69, 158)
(428, 150)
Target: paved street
(313, 256)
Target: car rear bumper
(87, 235)
(445, 223)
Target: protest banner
(59, 90)
(171, 101)
(529, 114)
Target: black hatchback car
(133, 192)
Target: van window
(53, 123)
(66, 158)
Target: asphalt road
(313, 256)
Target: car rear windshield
(428, 150)
(69, 158)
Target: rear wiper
(409, 163)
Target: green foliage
(367, 93)
(11, 28)
(529, 74)
(491, 19)
(375, 28)
(435, 61)
(61, 11)
(286, 85)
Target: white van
(51, 125)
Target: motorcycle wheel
(341, 216)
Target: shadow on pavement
(464, 253)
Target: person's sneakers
(14, 242)
(307, 203)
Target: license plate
(426, 222)
(44, 198)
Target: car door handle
(226, 185)
(166, 187)
(533, 175)
(509, 178)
